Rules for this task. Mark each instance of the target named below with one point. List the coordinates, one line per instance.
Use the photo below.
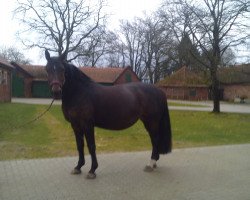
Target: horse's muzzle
(56, 88)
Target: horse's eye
(48, 69)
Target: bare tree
(12, 54)
(157, 43)
(215, 25)
(146, 45)
(133, 45)
(60, 25)
(181, 43)
(228, 58)
(94, 48)
(116, 53)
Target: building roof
(100, 75)
(5, 63)
(185, 77)
(37, 72)
(237, 74)
(103, 75)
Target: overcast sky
(120, 9)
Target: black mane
(76, 82)
(73, 74)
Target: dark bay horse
(86, 104)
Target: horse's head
(55, 70)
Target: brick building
(110, 75)
(235, 82)
(185, 84)
(5, 80)
(31, 80)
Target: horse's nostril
(56, 88)
(56, 91)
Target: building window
(128, 77)
(3, 77)
(192, 92)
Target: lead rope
(31, 121)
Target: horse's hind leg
(153, 129)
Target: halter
(55, 83)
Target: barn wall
(5, 85)
(233, 91)
(41, 89)
(27, 87)
(186, 93)
(21, 86)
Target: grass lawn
(52, 136)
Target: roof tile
(4, 62)
(103, 75)
(100, 75)
(185, 77)
(236, 74)
(38, 72)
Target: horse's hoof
(148, 168)
(91, 176)
(76, 171)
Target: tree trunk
(216, 99)
(215, 91)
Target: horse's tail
(165, 134)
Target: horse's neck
(74, 75)
(75, 82)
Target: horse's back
(150, 97)
(149, 101)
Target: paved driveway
(214, 173)
(43, 101)
(208, 105)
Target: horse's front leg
(80, 148)
(90, 138)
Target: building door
(41, 89)
(17, 86)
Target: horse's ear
(47, 55)
(64, 56)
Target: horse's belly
(117, 113)
(116, 124)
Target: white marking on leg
(152, 163)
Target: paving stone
(214, 173)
